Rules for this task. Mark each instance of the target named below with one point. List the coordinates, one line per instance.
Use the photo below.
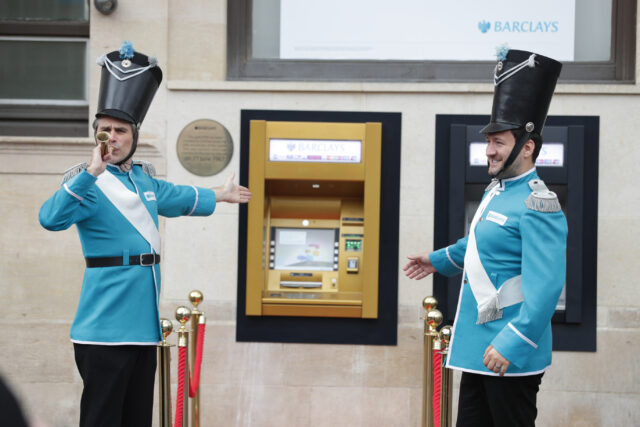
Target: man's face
(499, 146)
(120, 137)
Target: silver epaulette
(541, 198)
(147, 167)
(73, 171)
(493, 183)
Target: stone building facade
(274, 384)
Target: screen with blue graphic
(304, 249)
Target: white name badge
(496, 217)
(149, 195)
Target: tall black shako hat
(524, 84)
(128, 83)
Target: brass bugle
(103, 139)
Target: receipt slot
(568, 164)
(313, 222)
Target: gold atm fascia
(313, 219)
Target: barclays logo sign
(519, 26)
(484, 26)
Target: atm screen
(304, 249)
(551, 154)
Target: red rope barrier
(437, 380)
(193, 385)
(182, 360)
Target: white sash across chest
(131, 207)
(489, 299)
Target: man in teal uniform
(513, 260)
(115, 202)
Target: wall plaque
(204, 147)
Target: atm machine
(568, 164)
(314, 219)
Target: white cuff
(521, 335)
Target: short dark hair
(94, 125)
(535, 137)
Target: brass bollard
(195, 297)
(164, 375)
(183, 314)
(432, 319)
(446, 378)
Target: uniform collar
(514, 180)
(116, 169)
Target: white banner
(464, 30)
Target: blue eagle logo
(484, 26)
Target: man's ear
(529, 148)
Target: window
(270, 40)
(43, 74)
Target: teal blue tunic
(512, 239)
(119, 305)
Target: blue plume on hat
(126, 50)
(501, 51)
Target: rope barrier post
(183, 314)
(195, 297)
(437, 381)
(431, 321)
(446, 392)
(164, 375)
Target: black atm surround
(577, 185)
(327, 330)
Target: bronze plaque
(204, 147)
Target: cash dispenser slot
(299, 284)
(300, 280)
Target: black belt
(145, 260)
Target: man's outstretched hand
(419, 266)
(231, 192)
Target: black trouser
(118, 384)
(10, 410)
(487, 400)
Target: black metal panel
(380, 331)
(451, 135)
(573, 328)
(575, 204)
